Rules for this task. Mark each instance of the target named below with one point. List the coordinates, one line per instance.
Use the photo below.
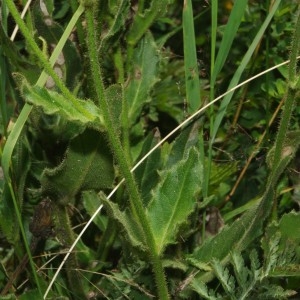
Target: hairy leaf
(241, 272)
(120, 14)
(143, 77)
(290, 226)
(114, 94)
(188, 138)
(174, 199)
(142, 21)
(88, 165)
(203, 291)
(227, 280)
(85, 112)
(132, 229)
(147, 173)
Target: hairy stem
(135, 198)
(41, 55)
(290, 97)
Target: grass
(88, 145)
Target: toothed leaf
(174, 199)
(132, 229)
(83, 112)
(87, 165)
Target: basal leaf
(132, 229)
(88, 165)
(174, 199)
(143, 77)
(84, 112)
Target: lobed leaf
(227, 280)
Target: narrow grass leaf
(174, 199)
(192, 81)
(13, 138)
(231, 28)
(241, 68)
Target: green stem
(135, 199)
(40, 55)
(290, 97)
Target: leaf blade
(174, 199)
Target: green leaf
(203, 291)
(120, 14)
(8, 217)
(192, 81)
(237, 75)
(143, 20)
(147, 173)
(132, 229)
(231, 28)
(88, 165)
(188, 138)
(69, 61)
(242, 273)
(227, 280)
(85, 112)
(235, 237)
(290, 226)
(174, 199)
(143, 77)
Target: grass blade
(192, 81)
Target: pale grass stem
(26, 7)
(185, 122)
